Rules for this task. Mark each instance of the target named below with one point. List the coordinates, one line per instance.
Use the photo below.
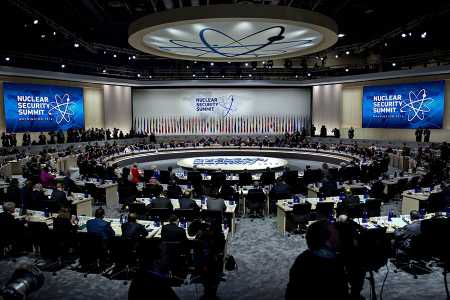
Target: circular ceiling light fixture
(224, 33)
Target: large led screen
(412, 105)
(34, 108)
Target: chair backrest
(437, 202)
(162, 213)
(256, 197)
(137, 208)
(355, 210)
(188, 213)
(324, 209)
(245, 179)
(212, 216)
(358, 190)
(91, 247)
(301, 208)
(435, 234)
(123, 251)
(373, 207)
(376, 247)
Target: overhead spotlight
(76, 45)
(115, 55)
(385, 44)
(139, 75)
(206, 76)
(195, 61)
(410, 34)
(263, 62)
(150, 76)
(129, 57)
(104, 71)
(337, 56)
(63, 66)
(187, 67)
(403, 35)
(223, 76)
(7, 59)
(296, 76)
(394, 64)
(42, 36)
(35, 21)
(54, 33)
(134, 56)
(423, 35)
(203, 69)
(229, 62)
(346, 70)
(288, 63)
(211, 64)
(193, 75)
(246, 64)
(341, 35)
(249, 75)
(347, 52)
(104, 52)
(309, 74)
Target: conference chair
(245, 179)
(138, 209)
(436, 202)
(95, 193)
(188, 214)
(92, 250)
(324, 210)
(174, 257)
(292, 178)
(162, 213)
(373, 207)
(256, 201)
(39, 233)
(301, 215)
(212, 216)
(123, 256)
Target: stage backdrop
(413, 105)
(35, 107)
(221, 111)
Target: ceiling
(379, 36)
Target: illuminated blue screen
(33, 107)
(412, 105)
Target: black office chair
(174, 256)
(256, 201)
(412, 259)
(436, 203)
(138, 209)
(274, 197)
(324, 210)
(188, 214)
(301, 215)
(212, 216)
(373, 207)
(39, 233)
(123, 254)
(99, 198)
(162, 213)
(292, 178)
(92, 250)
(267, 178)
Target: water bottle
(330, 218)
(366, 195)
(203, 200)
(46, 212)
(86, 194)
(448, 212)
(417, 189)
(157, 221)
(321, 198)
(390, 215)
(121, 219)
(225, 225)
(125, 218)
(295, 199)
(365, 217)
(341, 196)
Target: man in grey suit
(216, 204)
(161, 202)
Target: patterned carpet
(263, 257)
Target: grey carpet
(264, 258)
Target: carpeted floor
(263, 257)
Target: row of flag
(182, 125)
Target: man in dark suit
(245, 178)
(59, 196)
(26, 194)
(69, 184)
(172, 232)
(329, 187)
(218, 178)
(280, 187)
(133, 230)
(38, 198)
(173, 190)
(186, 202)
(316, 265)
(161, 202)
(267, 177)
(99, 226)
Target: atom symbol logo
(227, 105)
(268, 41)
(417, 105)
(61, 108)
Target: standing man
(418, 134)
(351, 133)
(313, 130)
(426, 133)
